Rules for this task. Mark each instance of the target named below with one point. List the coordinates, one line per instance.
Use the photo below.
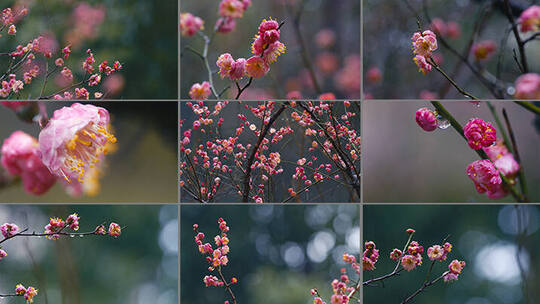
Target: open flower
(115, 230)
(479, 133)
(9, 230)
(200, 91)
(423, 65)
(528, 86)
(75, 140)
(231, 8)
(424, 43)
(530, 19)
(485, 176)
(256, 67)
(190, 24)
(484, 49)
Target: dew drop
(511, 90)
(71, 236)
(81, 236)
(442, 123)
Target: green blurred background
(390, 24)
(483, 236)
(287, 73)
(407, 164)
(140, 266)
(278, 253)
(141, 34)
(143, 169)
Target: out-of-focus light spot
(293, 254)
(169, 266)
(478, 301)
(498, 263)
(319, 215)
(167, 213)
(342, 223)
(147, 293)
(528, 221)
(168, 238)
(263, 243)
(320, 245)
(262, 214)
(353, 239)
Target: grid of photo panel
(284, 151)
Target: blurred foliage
(260, 237)
(489, 277)
(92, 269)
(141, 34)
(288, 72)
(387, 45)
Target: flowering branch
(411, 258)
(217, 258)
(344, 289)
(521, 46)
(53, 231)
(245, 196)
(481, 153)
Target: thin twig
(521, 45)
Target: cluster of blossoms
(26, 61)
(216, 258)
(424, 44)
(370, 256)
(190, 24)
(28, 293)
(343, 288)
(413, 258)
(71, 147)
(53, 230)
(9, 17)
(484, 49)
(57, 225)
(229, 11)
(219, 156)
(56, 228)
(480, 135)
(530, 19)
(266, 48)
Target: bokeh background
(389, 25)
(140, 266)
(488, 238)
(407, 164)
(143, 169)
(278, 253)
(337, 67)
(141, 34)
(291, 148)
